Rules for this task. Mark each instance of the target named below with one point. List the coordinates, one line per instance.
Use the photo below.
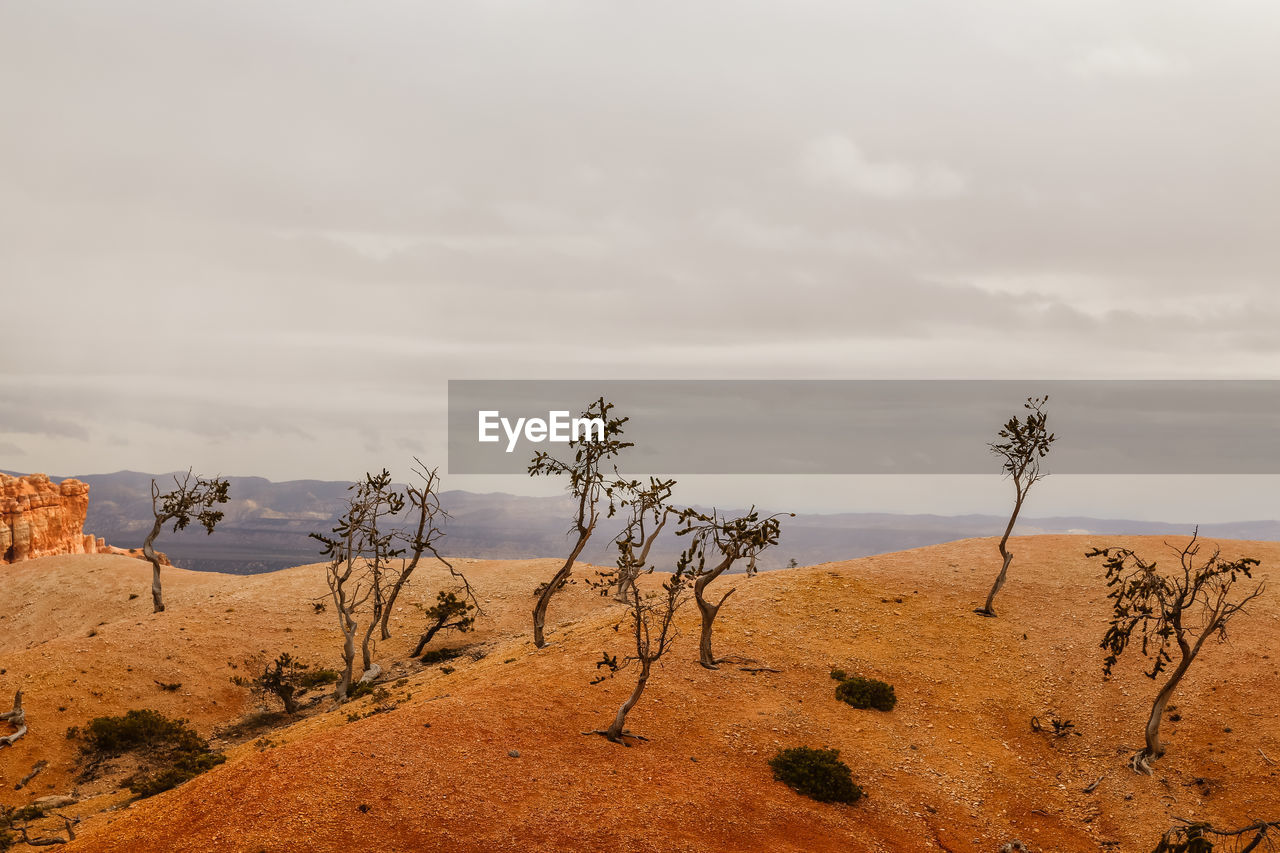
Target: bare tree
(1021, 446)
(1183, 608)
(366, 570)
(348, 594)
(588, 486)
(382, 504)
(361, 541)
(652, 615)
(187, 501)
(1203, 837)
(16, 718)
(729, 541)
(18, 819)
(425, 501)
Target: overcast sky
(259, 237)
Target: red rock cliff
(39, 518)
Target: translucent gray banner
(874, 426)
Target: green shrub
(318, 678)
(816, 773)
(170, 751)
(185, 768)
(440, 655)
(866, 693)
(139, 731)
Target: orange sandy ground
(954, 767)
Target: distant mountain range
(266, 527)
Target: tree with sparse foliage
(449, 613)
(652, 615)
(649, 515)
(282, 678)
(366, 569)
(1021, 446)
(424, 502)
(1181, 608)
(359, 544)
(588, 485)
(728, 540)
(186, 502)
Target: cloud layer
(261, 237)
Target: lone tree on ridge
(187, 501)
(1021, 446)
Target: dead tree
(728, 541)
(187, 501)
(1021, 446)
(649, 515)
(366, 571)
(380, 551)
(1182, 608)
(588, 486)
(17, 819)
(16, 718)
(424, 501)
(652, 617)
(344, 548)
(1203, 837)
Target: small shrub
(251, 724)
(10, 818)
(183, 769)
(318, 678)
(440, 655)
(283, 679)
(537, 592)
(839, 674)
(816, 773)
(866, 693)
(137, 731)
(171, 752)
(357, 690)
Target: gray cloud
(268, 236)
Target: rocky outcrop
(40, 518)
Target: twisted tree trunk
(709, 611)
(988, 609)
(617, 729)
(544, 598)
(148, 551)
(17, 718)
(1141, 762)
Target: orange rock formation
(39, 518)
